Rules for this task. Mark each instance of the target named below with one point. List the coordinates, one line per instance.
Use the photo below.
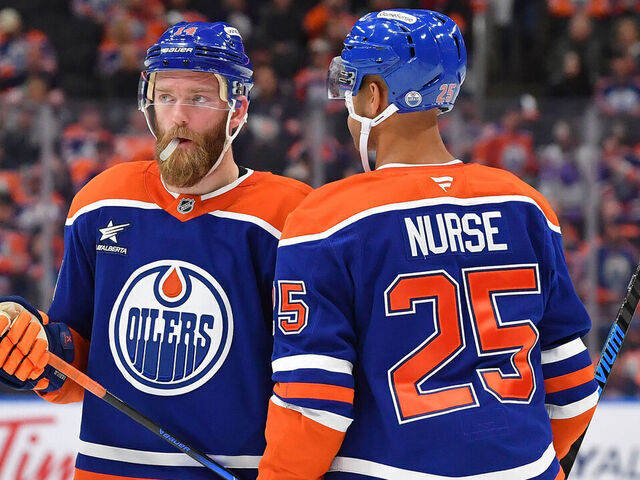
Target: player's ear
(377, 97)
(242, 105)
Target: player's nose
(180, 114)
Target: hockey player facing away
(165, 294)
(426, 325)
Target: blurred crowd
(560, 107)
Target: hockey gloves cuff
(26, 338)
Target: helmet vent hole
(412, 51)
(409, 39)
(403, 28)
(457, 42)
(441, 19)
(431, 82)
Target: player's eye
(164, 98)
(200, 100)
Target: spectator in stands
(22, 53)
(81, 138)
(626, 38)
(461, 130)
(328, 12)
(617, 260)
(619, 94)
(179, 11)
(19, 138)
(281, 31)
(133, 26)
(508, 147)
(579, 41)
(14, 259)
(572, 80)
(273, 128)
(562, 178)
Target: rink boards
(38, 441)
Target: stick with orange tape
(99, 391)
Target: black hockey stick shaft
(99, 391)
(609, 354)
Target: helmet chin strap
(229, 138)
(366, 124)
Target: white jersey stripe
(427, 202)
(328, 419)
(118, 202)
(569, 349)
(112, 202)
(560, 412)
(250, 219)
(380, 470)
(163, 459)
(320, 362)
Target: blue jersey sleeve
(314, 345)
(74, 294)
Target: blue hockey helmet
(419, 54)
(202, 47)
(214, 48)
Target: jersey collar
(397, 165)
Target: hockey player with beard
(164, 296)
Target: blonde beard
(186, 167)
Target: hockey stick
(612, 346)
(99, 391)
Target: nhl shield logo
(186, 205)
(171, 328)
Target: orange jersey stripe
(316, 391)
(123, 181)
(338, 201)
(570, 380)
(263, 195)
(560, 475)
(297, 448)
(567, 430)
(84, 475)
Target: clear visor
(161, 113)
(340, 79)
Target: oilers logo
(171, 328)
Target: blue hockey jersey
(174, 294)
(427, 327)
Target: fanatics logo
(186, 205)
(443, 182)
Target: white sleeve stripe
(328, 419)
(559, 412)
(111, 202)
(563, 352)
(320, 362)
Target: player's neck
(222, 176)
(411, 140)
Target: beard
(187, 166)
